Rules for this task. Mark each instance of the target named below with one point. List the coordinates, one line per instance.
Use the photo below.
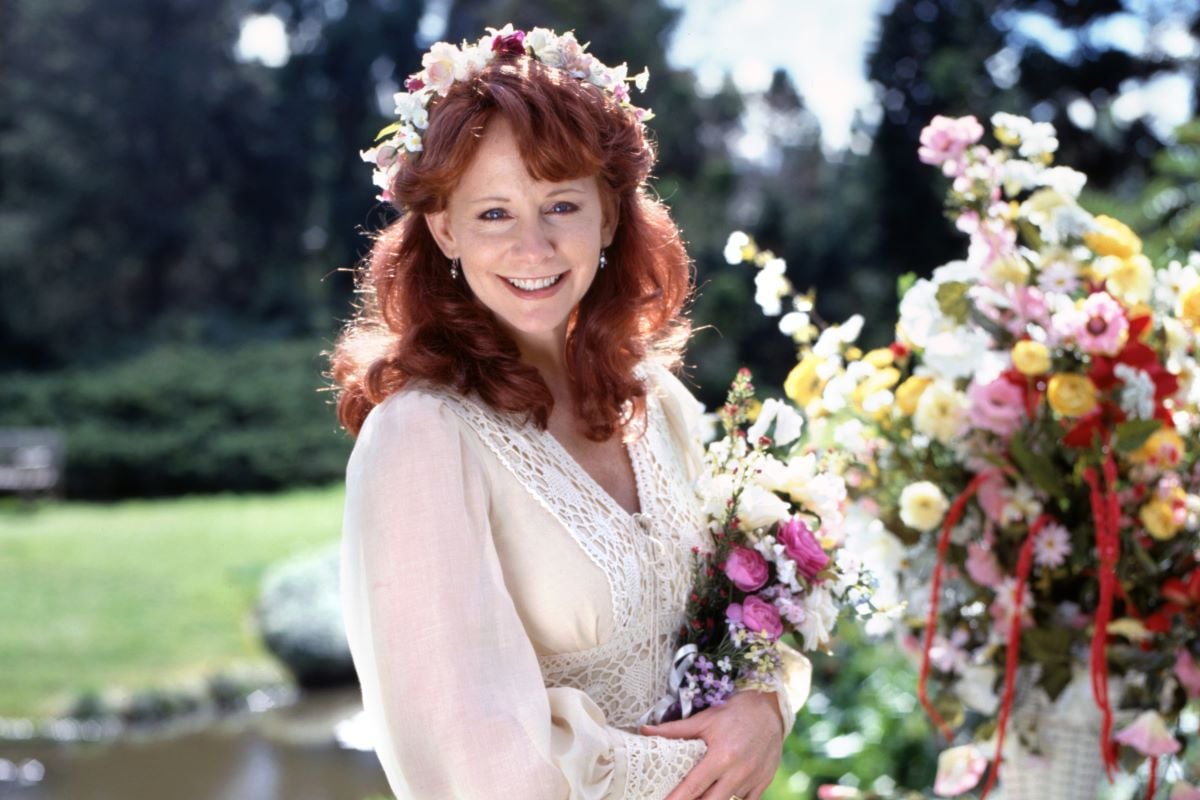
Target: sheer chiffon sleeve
(450, 680)
(794, 680)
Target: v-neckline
(631, 452)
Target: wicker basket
(1055, 752)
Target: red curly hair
(417, 323)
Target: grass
(141, 593)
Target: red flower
(513, 43)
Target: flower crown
(445, 64)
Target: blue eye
(494, 214)
(563, 207)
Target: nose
(534, 244)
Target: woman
(519, 517)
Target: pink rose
(998, 406)
(802, 547)
(746, 568)
(759, 615)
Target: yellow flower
(880, 357)
(909, 393)
(853, 353)
(1158, 516)
(922, 506)
(1189, 306)
(804, 383)
(1114, 238)
(1164, 448)
(1071, 395)
(1130, 280)
(1010, 270)
(1031, 358)
(754, 409)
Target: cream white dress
(508, 620)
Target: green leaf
(387, 131)
(1133, 434)
(1030, 234)
(1037, 468)
(904, 283)
(952, 300)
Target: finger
(723, 790)
(680, 729)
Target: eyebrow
(502, 199)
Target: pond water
(311, 749)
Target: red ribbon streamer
(1106, 514)
(1153, 778)
(1024, 565)
(952, 517)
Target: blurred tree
(144, 177)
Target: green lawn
(141, 593)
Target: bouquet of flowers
(777, 569)
(1028, 446)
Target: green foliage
(185, 419)
(862, 725)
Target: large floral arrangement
(1026, 450)
(777, 570)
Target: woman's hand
(745, 746)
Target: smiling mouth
(534, 284)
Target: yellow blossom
(1012, 270)
(1159, 518)
(1031, 358)
(804, 383)
(1114, 238)
(909, 393)
(1189, 306)
(753, 409)
(853, 353)
(1164, 448)
(1130, 280)
(1071, 395)
(880, 357)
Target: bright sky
(822, 45)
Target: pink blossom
(1052, 546)
(959, 770)
(1148, 735)
(802, 547)
(1003, 607)
(1187, 672)
(993, 496)
(746, 568)
(982, 566)
(763, 617)
(831, 791)
(944, 141)
(997, 406)
(1100, 326)
(992, 240)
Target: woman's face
(529, 249)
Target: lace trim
(655, 766)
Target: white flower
(759, 508)
(956, 354)
(922, 506)
(1021, 505)
(411, 108)
(771, 286)
(1018, 175)
(1059, 275)
(642, 79)
(1137, 395)
(974, 688)
(1173, 281)
(829, 343)
(715, 491)
(1052, 546)
(735, 245)
(1064, 180)
(821, 614)
(539, 40)
(941, 412)
(1038, 139)
(798, 325)
(788, 423)
(851, 436)
(411, 139)
(441, 63)
(920, 315)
